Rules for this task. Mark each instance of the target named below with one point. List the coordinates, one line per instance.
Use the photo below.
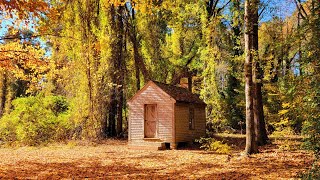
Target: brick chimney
(186, 82)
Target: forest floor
(112, 159)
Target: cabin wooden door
(150, 121)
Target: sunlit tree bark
(251, 6)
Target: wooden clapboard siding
(183, 133)
(151, 95)
(200, 120)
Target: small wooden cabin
(162, 114)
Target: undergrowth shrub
(283, 134)
(311, 131)
(211, 144)
(35, 120)
(313, 173)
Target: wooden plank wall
(151, 95)
(183, 133)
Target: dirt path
(113, 160)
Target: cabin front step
(147, 145)
(152, 139)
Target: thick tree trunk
(117, 75)
(121, 68)
(251, 145)
(261, 125)
(260, 128)
(113, 74)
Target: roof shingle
(179, 94)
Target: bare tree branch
(220, 9)
(35, 36)
(300, 7)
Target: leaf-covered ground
(113, 160)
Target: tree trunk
(299, 52)
(260, 127)
(3, 91)
(113, 74)
(117, 75)
(190, 83)
(137, 77)
(138, 60)
(250, 6)
(112, 114)
(119, 112)
(121, 68)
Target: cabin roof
(179, 94)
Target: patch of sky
(269, 9)
(295, 64)
(27, 25)
(276, 8)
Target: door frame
(156, 119)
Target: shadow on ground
(116, 171)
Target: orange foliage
(24, 7)
(24, 61)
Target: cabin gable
(150, 96)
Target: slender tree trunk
(10, 93)
(190, 83)
(299, 52)
(112, 114)
(137, 76)
(138, 60)
(236, 28)
(251, 145)
(100, 114)
(119, 112)
(91, 131)
(3, 91)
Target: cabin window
(191, 118)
